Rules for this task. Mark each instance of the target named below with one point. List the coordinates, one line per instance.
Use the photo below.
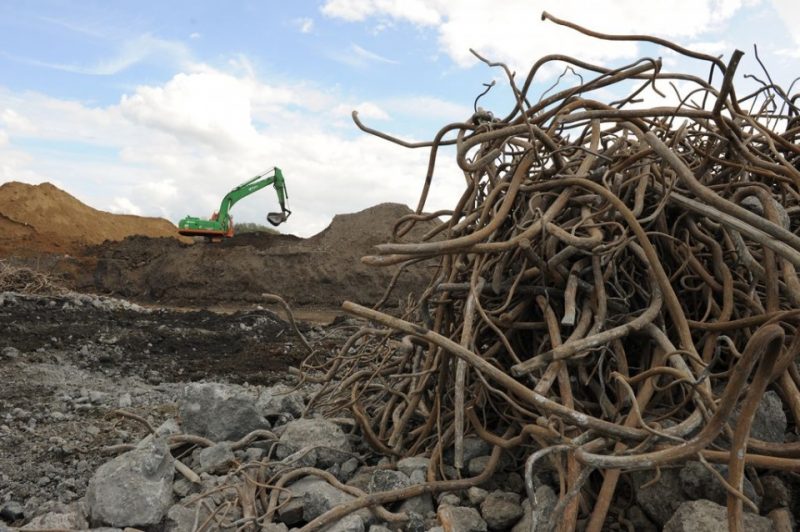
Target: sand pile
(45, 219)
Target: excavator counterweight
(221, 223)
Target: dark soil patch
(174, 346)
(321, 271)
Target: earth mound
(36, 219)
(323, 270)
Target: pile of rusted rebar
(616, 284)
(25, 280)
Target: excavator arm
(221, 223)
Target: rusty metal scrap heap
(616, 285)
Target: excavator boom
(221, 223)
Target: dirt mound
(45, 219)
(323, 270)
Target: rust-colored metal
(616, 285)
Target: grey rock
(501, 509)
(706, 516)
(348, 469)
(476, 495)
(66, 520)
(362, 477)
(328, 439)
(413, 463)
(639, 520)
(11, 352)
(253, 454)
(124, 400)
(546, 500)
(215, 459)
(379, 528)
(477, 465)
(181, 518)
(776, 494)
(133, 489)
(167, 428)
(303, 458)
(323, 497)
(421, 504)
(449, 498)
(461, 518)
(219, 412)
(20, 413)
(418, 477)
(58, 520)
(274, 527)
(12, 511)
(183, 487)
(387, 480)
(415, 523)
(350, 523)
(97, 397)
(659, 499)
(769, 422)
(281, 403)
(699, 483)
(473, 447)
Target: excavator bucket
(277, 218)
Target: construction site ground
(146, 314)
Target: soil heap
(320, 271)
(37, 219)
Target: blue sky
(159, 108)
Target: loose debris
(614, 308)
(617, 290)
(25, 280)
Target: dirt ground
(321, 271)
(67, 362)
(144, 259)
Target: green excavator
(221, 223)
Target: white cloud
(195, 35)
(789, 15)
(367, 55)
(15, 122)
(122, 205)
(139, 49)
(365, 110)
(207, 105)
(15, 165)
(359, 57)
(793, 53)
(511, 31)
(714, 48)
(180, 146)
(429, 107)
(415, 11)
(304, 24)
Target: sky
(160, 108)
